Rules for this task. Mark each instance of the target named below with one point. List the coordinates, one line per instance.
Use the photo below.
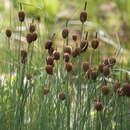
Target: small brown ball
(66, 57)
(99, 106)
(67, 49)
(69, 67)
(21, 16)
(116, 86)
(83, 16)
(46, 90)
(100, 68)
(34, 36)
(112, 60)
(56, 55)
(65, 33)
(85, 66)
(48, 44)
(126, 89)
(49, 69)
(62, 96)
(76, 51)
(29, 37)
(95, 44)
(8, 32)
(105, 90)
(74, 37)
(50, 51)
(32, 28)
(49, 60)
(106, 71)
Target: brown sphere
(49, 69)
(21, 16)
(49, 60)
(32, 28)
(100, 68)
(98, 106)
(74, 37)
(105, 90)
(94, 75)
(126, 89)
(29, 37)
(65, 33)
(34, 36)
(62, 96)
(95, 43)
(50, 51)
(48, 44)
(106, 71)
(67, 49)
(120, 92)
(23, 54)
(69, 67)
(8, 32)
(83, 16)
(85, 66)
(66, 57)
(112, 60)
(46, 90)
(76, 51)
(56, 55)
(116, 86)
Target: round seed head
(105, 90)
(34, 36)
(65, 33)
(32, 28)
(46, 90)
(49, 60)
(106, 71)
(74, 37)
(48, 44)
(29, 37)
(56, 55)
(85, 66)
(83, 16)
(100, 68)
(98, 106)
(49, 69)
(66, 57)
(67, 49)
(76, 51)
(112, 60)
(116, 86)
(69, 67)
(126, 89)
(62, 96)
(21, 16)
(8, 32)
(50, 51)
(95, 43)
(120, 92)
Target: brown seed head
(66, 57)
(34, 36)
(29, 37)
(65, 33)
(100, 68)
(21, 16)
(48, 44)
(83, 16)
(98, 106)
(32, 28)
(50, 51)
(76, 51)
(8, 32)
(62, 96)
(95, 43)
(94, 75)
(126, 89)
(116, 86)
(112, 60)
(49, 60)
(105, 90)
(106, 71)
(85, 66)
(74, 37)
(69, 67)
(49, 69)
(56, 55)
(46, 90)
(67, 49)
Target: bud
(62, 96)
(29, 37)
(105, 90)
(65, 33)
(56, 55)
(21, 16)
(66, 57)
(99, 106)
(85, 66)
(48, 44)
(8, 32)
(67, 49)
(49, 69)
(69, 67)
